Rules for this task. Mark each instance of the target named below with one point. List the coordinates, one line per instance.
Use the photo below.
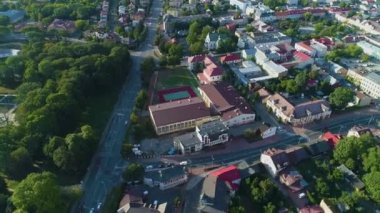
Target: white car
(183, 163)
(99, 205)
(126, 123)
(301, 195)
(149, 167)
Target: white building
(371, 84)
(166, 178)
(292, 2)
(274, 70)
(274, 160)
(370, 49)
(224, 100)
(241, 4)
(298, 114)
(368, 26)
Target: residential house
(213, 40)
(357, 131)
(274, 160)
(370, 49)
(293, 180)
(241, 4)
(318, 147)
(218, 188)
(331, 139)
(187, 143)
(315, 47)
(212, 71)
(371, 84)
(299, 60)
(328, 206)
(225, 101)
(361, 99)
(230, 58)
(298, 114)
(207, 134)
(166, 178)
(298, 13)
(267, 131)
(351, 177)
(212, 133)
(248, 54)
(65, 25)
(311, 209)
(194, 61)
(296, 154)
(263, 13)
(169, 117)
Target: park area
(174, 84)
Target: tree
(322, 188)
(351, 149)
(371, 160)
(141, 99)
(20, 162)
(81, 24)
(196, 48)
(126, 150)
(262, 191)
(291, 86)
(301, 79)
(341, 97)
(4, 20)
(270, 208)
(3, 186)
(364, 57)
(38, 192)
(371, 181)
(134, 172)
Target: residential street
(105, 170)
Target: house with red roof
(230, 58)
(332, 139)
(300, 60)
(311, 209)
(304, 46)
(193, 61)
(218, 188)
(212, 72)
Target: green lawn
(4, 90)
(174, 77)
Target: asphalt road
(105, 169)
(287, 141)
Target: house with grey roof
(351, 177)
(166, 178)
(207, 134)
(213, 40)
(299, 114)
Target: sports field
(176, 93)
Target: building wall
(358, 78)
(371, 88)
(241, 4)
(173, 182)
(240, 120)
(269, 132)
(365, 101)
(175, 127)
(299, 121)
(268, 164)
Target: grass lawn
(174, 77)
(4, 90)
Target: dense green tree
(38, 192)
(126, 150)
(3, 186)
(371, 181)
(196, 48)
(350, 150)
(20, 163)
(141, 99)
(4, 20)
(301, 78)
(341, 97)
(371, 160)
(269, 208)
(134, 172)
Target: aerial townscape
(189, 106)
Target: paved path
(105, 172)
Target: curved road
(104, 171)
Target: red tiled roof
(213, 70)
(226, 99)
(311, 209)
(301, 56)
(299, 12)
(230, 57)
(305, 45)
(229, 174)
(195, 58)
(333, 139)
(326, 41)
